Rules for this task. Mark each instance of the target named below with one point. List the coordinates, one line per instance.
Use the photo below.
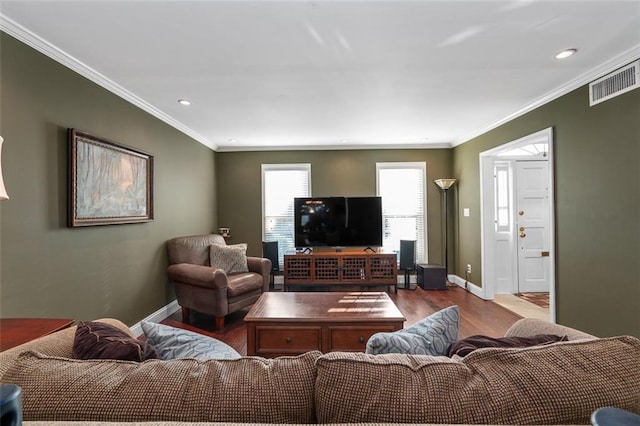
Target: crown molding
(19, 32)
(586, 78)
(331, 147)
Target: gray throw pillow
(173, 343)
(232, 259)
(429, 336)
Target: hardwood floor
(540, 299)
(477, 316)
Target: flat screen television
(338, 222)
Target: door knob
(521, 212)
(361, 339)
(522, 235)
(288, 339)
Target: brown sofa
(560, 383)
(209, 290)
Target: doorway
(517, 207)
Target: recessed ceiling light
(565, 53)
(232, 141)
(184, 102)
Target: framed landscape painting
(108, 183)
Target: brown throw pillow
(466, 346)
(97, 340)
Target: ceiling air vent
(614, 84)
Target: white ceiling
(332, 74)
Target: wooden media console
(341, 268)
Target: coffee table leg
(251, 339)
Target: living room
(50, 270)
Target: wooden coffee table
(292, 323)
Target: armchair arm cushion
(261, 266)
(198, 275)
(528, 327)
(58, 344)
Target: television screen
(319, 221)
(338, 221)
(364, 222)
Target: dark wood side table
(16, 331)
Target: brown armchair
(209, 290)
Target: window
(402, 188)
(281, 183)
(503, 205)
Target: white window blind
(402, 188)
(502, 191)
(281, 183)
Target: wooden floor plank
(477, 316)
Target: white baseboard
(471, 287)
(157, 316)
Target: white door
(533, 225)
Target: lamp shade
(445, 183)
(3, 191)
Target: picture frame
(109, 183)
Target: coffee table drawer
(288, 339)
(354, 338)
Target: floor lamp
(444, 185)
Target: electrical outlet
(468, 268)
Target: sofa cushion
(429, 336)
(464, 347)
(231, 259)
(174, 343)
(249, 389)
(97, 340)
(561, 383)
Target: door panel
(533, 225)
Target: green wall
(49, 270)
(597, 196)
(333, 172)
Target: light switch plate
(466, 212)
